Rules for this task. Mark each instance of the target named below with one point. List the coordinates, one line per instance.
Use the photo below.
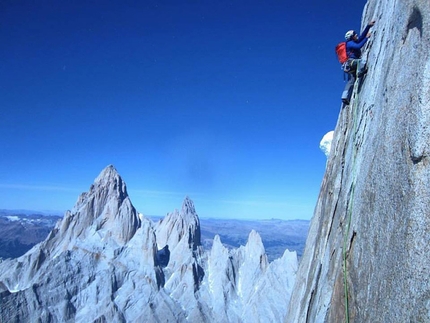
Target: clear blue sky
(223, 101)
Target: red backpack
(341, 53)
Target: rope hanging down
(351, 196)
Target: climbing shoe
(361, 74)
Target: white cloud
(325, 144)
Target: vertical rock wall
(367, 254)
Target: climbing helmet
(350, 34)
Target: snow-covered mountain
(104, 262)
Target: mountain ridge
(277, 234)
(104, 262)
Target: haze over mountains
(22, 229)
(277, 235)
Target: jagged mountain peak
(110, 181)
(108, 172)
(105, 263)
(254, 238)
(188, 206)
(105, 209)
(254, 246)
(178, 225)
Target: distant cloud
(258, 202)
(325, 144)
(156, 193)
(38, 187)
(255, 203)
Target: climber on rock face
(355, 66)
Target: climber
(355, 66)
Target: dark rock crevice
(415, 21)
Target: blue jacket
(353, 47)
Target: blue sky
(223, 101)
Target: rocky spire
(178, 225)
(241, 282)
(105, 209)
(101, 264)
(180, 231)
(252, 263)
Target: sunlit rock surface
(374, 205)
(104, 262)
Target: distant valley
(277, 235)
(21, 230)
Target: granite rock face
(366, 257)
(104, 262)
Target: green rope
(345, 242)
(351, 198)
